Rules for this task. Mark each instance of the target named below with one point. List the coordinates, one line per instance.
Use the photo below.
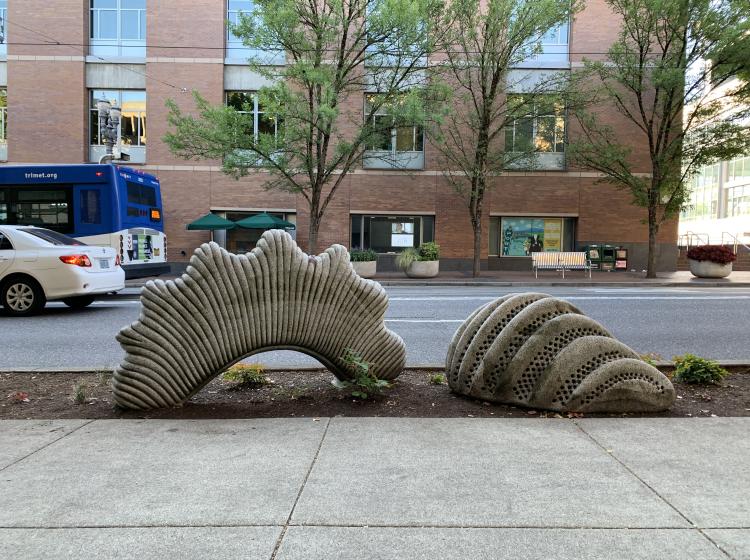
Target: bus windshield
(52, 237)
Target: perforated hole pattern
(619, 378)
(569, 385)
(528, 379)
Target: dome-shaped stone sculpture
(538, 351)
(227, 307)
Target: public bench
(568, 260)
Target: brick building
(61, 56)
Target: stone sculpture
(227, 307)
(538, 351)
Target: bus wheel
(79, 302)
(22, 296)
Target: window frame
(256, 112)
(140, 133)
(125, 47)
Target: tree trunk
(477, 267)
(312, 234)
(653, 230)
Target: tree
(482, 43)
(335, 50)
(670, 76)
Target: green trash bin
(594, 254)
(609, 253)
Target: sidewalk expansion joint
(364, 526)
(299, 494)
(647, 485)
(66, 434)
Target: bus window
(48, 208)
(3, 208)
(141, 194)
(91, 209)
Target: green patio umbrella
(211, 222)
(264, 220)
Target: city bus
(106, 205)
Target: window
(704, 195)
(256, 122)
(235, 48)
(391, 234)
(540, 126)
(5, 244)
(554, 48)
(52, 237)
(3, 27)
(118, 28)
(3, 208)
(521, 236)
(392, 146)
(3, 116)
(739, 170)
(141, 194)
(48, 208)
(133, 119)
(738, 201)
(91, 210)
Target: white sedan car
(38, 265)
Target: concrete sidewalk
(376, 488)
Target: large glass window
(391, 234)
(393, 145)
(704, 195)
(738, 201)
(132, 121)
(521, 236)
(235, 48)
(738, 170)
(3, 27)
(539, 127)
(257, 121)
(118, 28)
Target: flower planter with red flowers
(711, 261)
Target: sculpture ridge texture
(227, 307)
(538, 351)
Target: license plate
(103, 263)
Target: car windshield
(52, 237)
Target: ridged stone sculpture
(538, 351)
(227, 307)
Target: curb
(733, 364)
(444, 284)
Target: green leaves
(693, 369)
(363, 384)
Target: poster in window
(523, 236)
(402, 240)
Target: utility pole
(109, 128)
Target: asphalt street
(710, 322)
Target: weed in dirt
(693, 369)
(437, 379)
(364, 384)
(104, 377)
(247, 375)
(79, 392)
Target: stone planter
(708, 269)
(423, 269)
(366, 269)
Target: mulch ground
(311, 394)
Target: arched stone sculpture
(226, 307)
(537, 351)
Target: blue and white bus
(105, 205)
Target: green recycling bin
(609, 253)
(594, 254)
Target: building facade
(60, 57)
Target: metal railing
(734, 241)
(690, 239)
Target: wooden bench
(568, 260)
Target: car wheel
(79, 302)
(22, 296)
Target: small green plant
(693, 369)
(406, 257)
(104, 377)
(362, 255)
(651, 358)
(79, 392)
(437, 379)
(364, 384)
(429, 251)
(247, 375)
